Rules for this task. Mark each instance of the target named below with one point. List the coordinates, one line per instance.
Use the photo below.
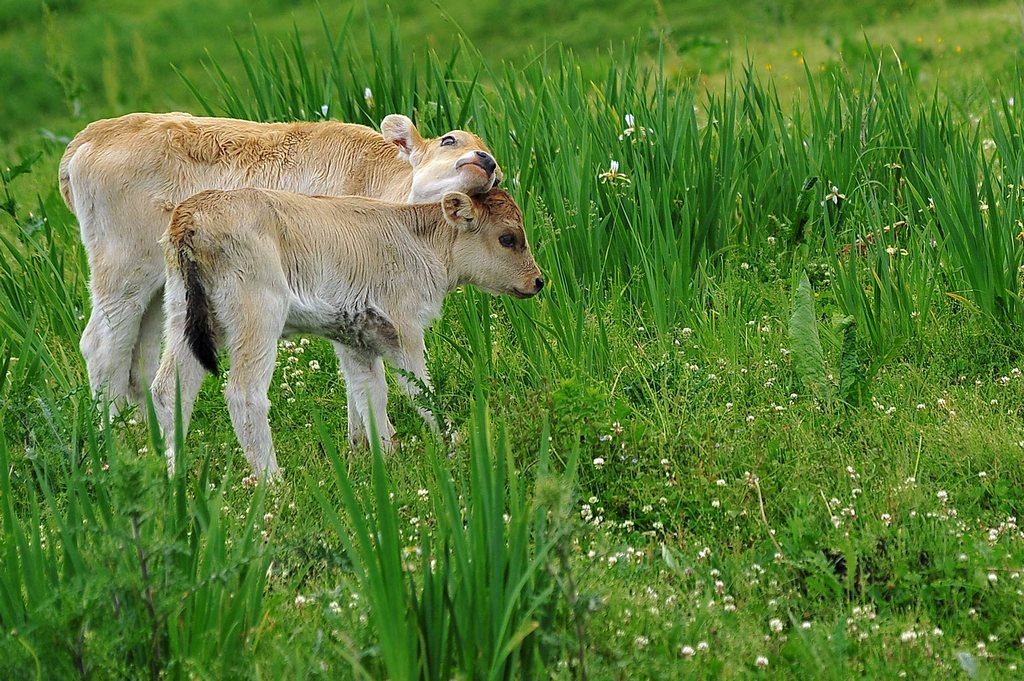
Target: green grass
(765, 422)
(71, 61)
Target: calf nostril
(487, 161)
(539, 283)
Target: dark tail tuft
(198, 323)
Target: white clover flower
(761, 661)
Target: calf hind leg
(146, 355)
(253, 346)
(179, 367)
(112, 332)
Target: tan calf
(248, 266)
(123, 176)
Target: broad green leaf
(808, 358)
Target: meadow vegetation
(765, 421)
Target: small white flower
(834, 196)
(598, 462)
(613, 175)
(300, 600)
(761, 661)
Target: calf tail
(198, 322)
(199, 333)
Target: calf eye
(507, 240)
(447, 141)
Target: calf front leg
(367, 391)
(356, 429)
(411, 357)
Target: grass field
(766, 421)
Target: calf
(245, 267)
(122, 178)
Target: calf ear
(400, 131)
(458, 210)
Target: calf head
(490, 249)
(457, 161)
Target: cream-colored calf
(123, 176)
(246, 267)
